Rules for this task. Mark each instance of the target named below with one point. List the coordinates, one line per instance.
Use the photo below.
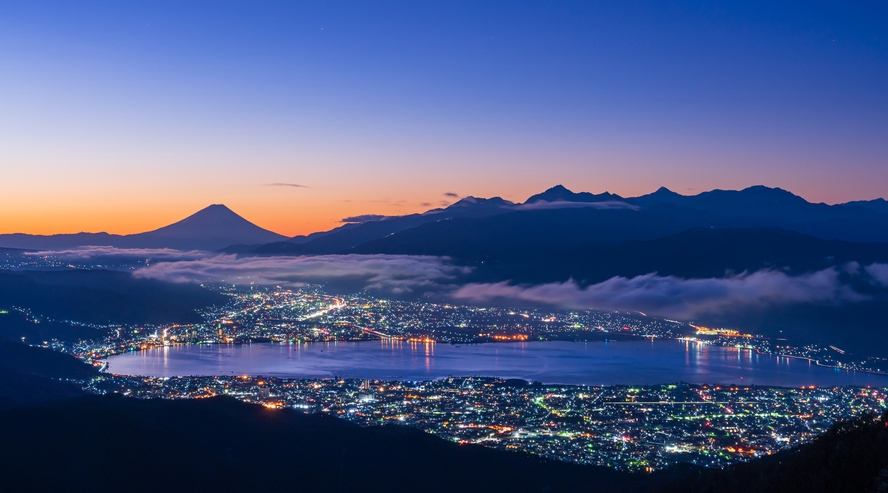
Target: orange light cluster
(516, 337)
(740, 450)
(713, 331)
(424, 340)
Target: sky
(127, 116)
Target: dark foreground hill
(44, 362)
(223, 445)
(852, 457)
(29, 375)
(100, 296)
(16, 326)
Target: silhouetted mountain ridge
(211, 228)
(218, 228)
(559, 193)
(660, 213)
(208, 229)
(878, 205)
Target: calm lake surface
(589, 363)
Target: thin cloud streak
(363, 218)
(88, 252)
(293, 185)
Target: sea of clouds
(397, 274)
(403, 274)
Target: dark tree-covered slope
(696, 253)
(18, 327)
(852, 457)
(222, 445)
(44, 362)
(100, 296)
(30, 375)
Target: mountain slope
(473, 221)
(211, 228)
(764, 206)
(570, 226)
(222, 445)
(852, 457)
(353, 234)
(99, 296)
(692, 254)
(754, 202)
(878, 205)
(43, 362)
(559, 193)
(58, 242)
(29, 375)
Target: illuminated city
(290, 316)
(636, 428)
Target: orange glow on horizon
(285, 211)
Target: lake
(589, 363)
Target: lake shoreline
(562, 362)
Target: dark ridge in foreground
(18, 327)
(222, 445)
(103, 296)
(44, 362)
(29, 375)
(851, 457)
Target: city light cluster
(637, 428)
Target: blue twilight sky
(124, 116)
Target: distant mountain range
(477, 228)
(211, 228)
(557, 216)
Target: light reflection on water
(591, 363)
